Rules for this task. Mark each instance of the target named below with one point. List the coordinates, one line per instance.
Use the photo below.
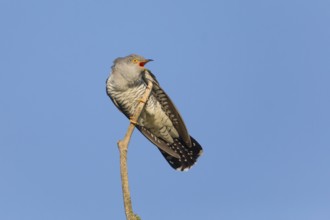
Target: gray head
(132, 59)
(129, 67)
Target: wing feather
(169, 108)
(157, 141)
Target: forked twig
(123, 147)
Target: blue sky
(251, 79)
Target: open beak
(145, 62)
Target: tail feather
(188, 154)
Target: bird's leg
(144, 99)
(148, 87)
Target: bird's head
(137, 61)
(131, 66)
(133, 61)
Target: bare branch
(123, 147)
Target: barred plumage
(160, 121)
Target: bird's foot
(133, 121)
(142, 100)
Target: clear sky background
(251, 79)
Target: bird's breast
(127, 98)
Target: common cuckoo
(159, 121)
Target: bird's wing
(162, 145)
(154, 139)
(168, 107)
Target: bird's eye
(135, 61)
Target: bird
(160, 121)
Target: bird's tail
(188, 154)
